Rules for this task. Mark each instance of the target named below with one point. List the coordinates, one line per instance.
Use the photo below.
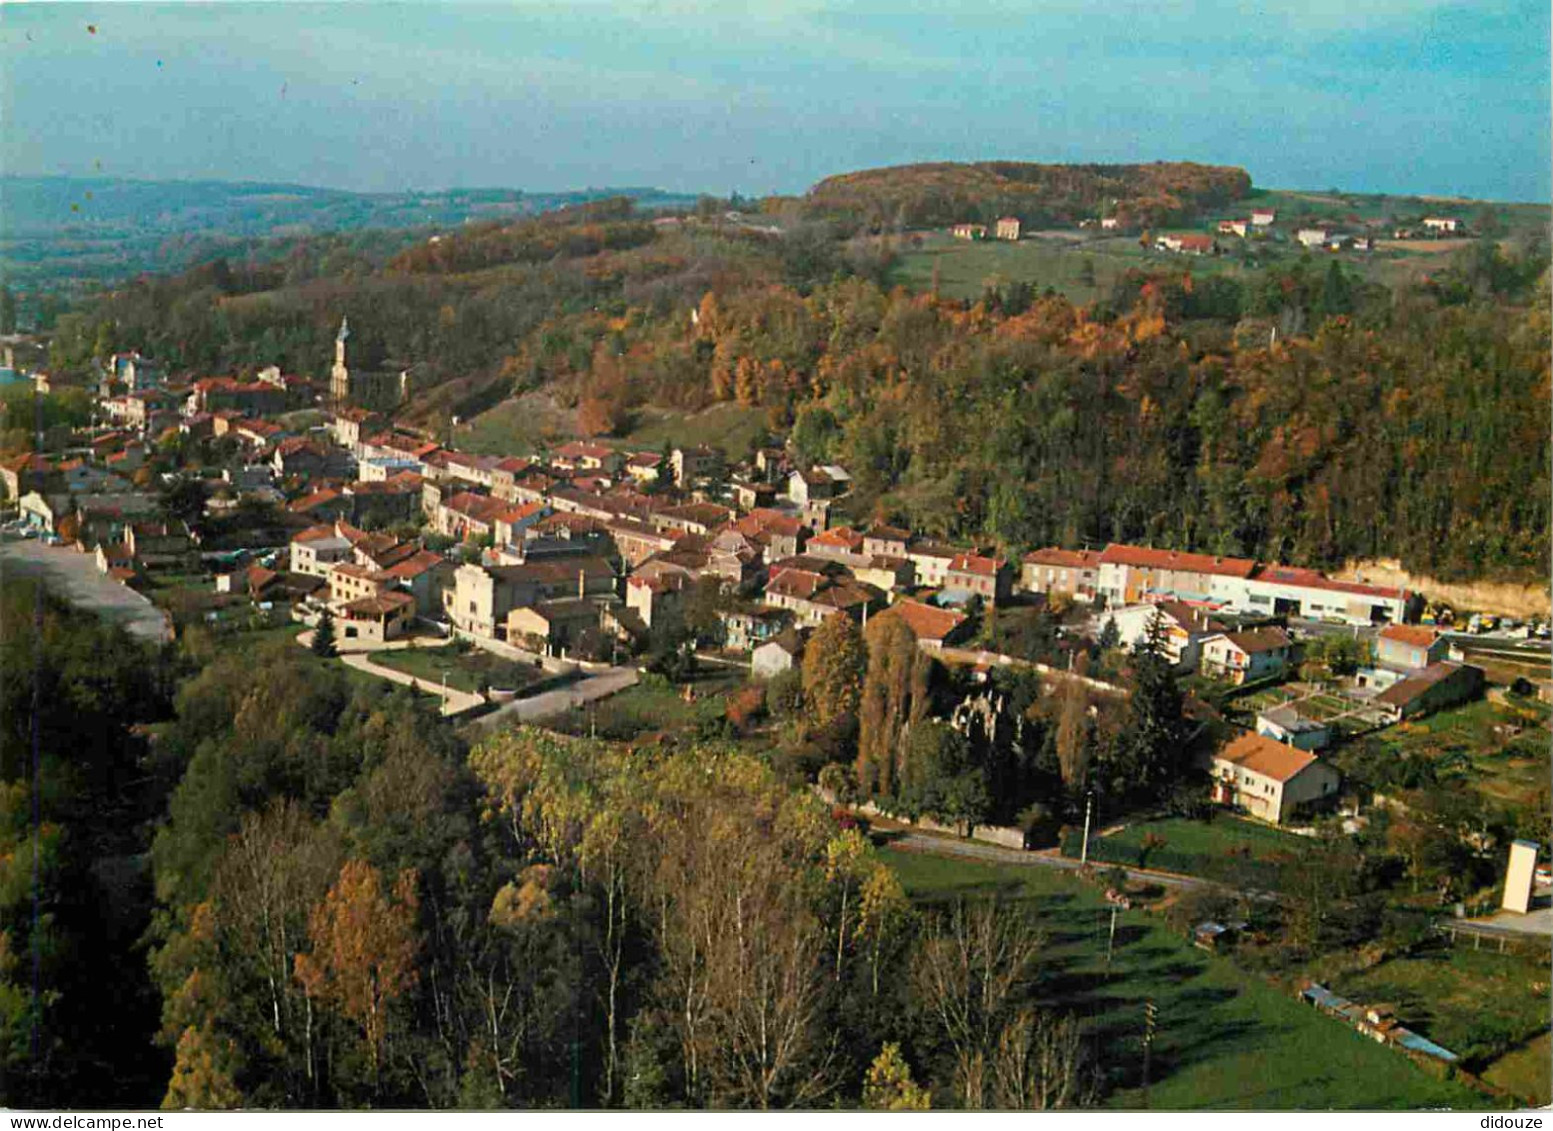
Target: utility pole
(1089, 808)
(1150, 1016)
(1110, 943)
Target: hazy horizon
(1407, 97)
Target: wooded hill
(1296, 413)
(941, 193)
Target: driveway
(73, 576)
(454, 702)
(559, 700)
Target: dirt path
(454, 702)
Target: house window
(471, 606)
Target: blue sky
(1425, 96)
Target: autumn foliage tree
(833, 664)
(363, 951)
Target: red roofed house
(978, 574)
(1128, 574)
(839, 544)
(1074, 573)
(377, 618)
(1409, 647)
(933, 627)
(1270, 779)
(1244, 656)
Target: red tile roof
(1068, 559)
(925, 621)
(976, 564)
(1264, 756)
(1144, 558)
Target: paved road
(944, 846)
(455, 702)
(74, 577)
(561, 699)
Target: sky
(1398, 96)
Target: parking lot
(74, 577)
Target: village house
(1440, 685)
(160, 545)
(511, 524)
(1187, 245)
(377, 618)
(1234, 227)
(750, 496)
(327, 504)
(1182, 628)
(1406, 647)
(350, 581)
(467, 515)
(1270, 780)
(930, 561)
(654, 595)
(690, 518)
(1008, 228)
(483, 596)
(813, 594)
(778, 534)
(818, 483)
(933, 627)
(691, 464)
(349, 425)
(552, 626)
(1312, 237)
(880, 540)
(780, 654)
(642, 467)
(115, 560)
(1242, 657)
(381, 504)
(1441, 223)
(969, 231)
(298, 455)
(747, 629)
(978, 575)
(24, 473)
(425, 576)
(637, 541)
(838, 544)
(1071, 573)
(886, 573)
(581, 455)
(250, 398)
(1288, 726)
(1263, 217)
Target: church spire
(345, 329)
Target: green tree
(889, 1086)
(834, 661)
(323, 644)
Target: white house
(1312, 237)
(1441, 223)
(1241, 657)
(1271, 780)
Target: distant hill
(57, 233)
(933, 195)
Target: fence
(1004, 836)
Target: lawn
(731, 427)
(466, 670)
(653, 705)
(1225, 848)
(1478, 1004)
(526, 424)
(1225, 1040)
(1525, 1072)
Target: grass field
(1478, 1004)
(1525, 1072)
(1225, 1040)
(652, 706)
(465, 669)
(730, 427)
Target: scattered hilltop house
(780, 654)
(977, 575)
(1110, 223)
(1312, 237)
(1263, 217)
(969, 231)
(1271, 780)
(1187, 245)
(1234, 227)
(1407, 647)
(1288, 726)
(1073, 573)
(1441, 223)
(1434, 688)
(933, 627)
(1008, 228)
(1245, 656)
